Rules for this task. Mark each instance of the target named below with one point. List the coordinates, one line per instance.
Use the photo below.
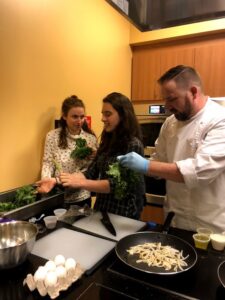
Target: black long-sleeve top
(131, 206)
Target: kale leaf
(82, 150)
(23, 196)
(124, 178)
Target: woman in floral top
(59, 145)
(121, 134)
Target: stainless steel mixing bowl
(17, 240)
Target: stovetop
(98, 291)
(120, 281)
(200, 282)
(155, 286)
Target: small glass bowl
(50, 221)
(201, 240)
(59, 212)
(204, 230)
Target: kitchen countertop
(114, 280)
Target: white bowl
(50, 221)
(59, 212)
(218, 241)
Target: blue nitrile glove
(134, 162)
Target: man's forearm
(167, 171)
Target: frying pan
(155, 237)
(221, 273)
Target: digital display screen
(154, 109)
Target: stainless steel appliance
(151, 116)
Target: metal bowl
(17, 240)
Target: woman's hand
(72, 180)
(45, 185)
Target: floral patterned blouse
(53, 155)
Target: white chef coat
(198, 148)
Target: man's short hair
(182, 75)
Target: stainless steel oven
(151, 116)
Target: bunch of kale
(124, 179)
(82, 150)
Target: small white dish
(218, 241)
(59, 212)
(50, 221)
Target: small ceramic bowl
(59, 212)
(218, 241)
(201, 240)
(204, 230)
(50, 221)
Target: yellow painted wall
(49, 50)
(201, 28)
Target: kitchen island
(112, 279)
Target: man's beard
(185, 115)
(181, 116)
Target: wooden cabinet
(145, 72)
(149, 63)
(210, 63)
(173, 56)
(152, 213)
(206, 54)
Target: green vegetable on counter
(7, 206)
(82, 150)
(24, 196)
(124, 179)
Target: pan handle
(166, 225)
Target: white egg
(40, 274)
(50, 279)
(59, 260)
(50, 265)
(70, 264)
(60, 272)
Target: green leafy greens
(124, 178)
(57, 165)
(23, 196)
(82, 150)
